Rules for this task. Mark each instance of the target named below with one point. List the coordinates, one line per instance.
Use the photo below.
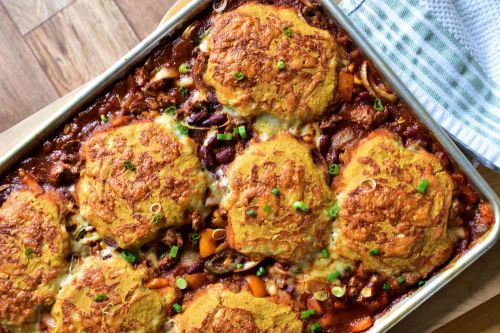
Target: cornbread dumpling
(137, 179)
(109, 296)
(216, 309)
(276, 202)
(394, 205)
(267, 59)
(34, 246)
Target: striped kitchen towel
(447, 52)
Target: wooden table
(478, 288)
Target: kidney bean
(207, 157)
(333, 156)
(366, 98)
(225, 155)
(195, 268)
(324, 142)
(197, 118)
(215, 119)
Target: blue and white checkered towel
(447, 52)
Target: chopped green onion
(333, 276)
(281, 64)
(184, 68)
(374, 252)
(239, 265)
(173, 251)
(400, 279)
(301, 206)
(28, 253)
(334, 210)
(321, 295)
(307, 313)
(338, 291)
(170, 110)
(275, 191)
(386, 286)
(184, 91)
(315, 328)
(100, 297)
(129, 256)
(224, 136)
(251, 212)
(287, 32)
(181, 283)
(423, 186)
(378, 106)
(128, 165)
(421, 283)
(195, 237)
(242, 131)
(261, 271)
(156, 218)
(104, 119)
(266, 208)
(238, 76)
(183, 130)
(324, 253)
(334, 169)
(177, 307)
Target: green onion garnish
(104, 119)
(129, 256)
(156, 218)
(100, 297)
(301, 206)
(224, 136)
(173, 251)
(421, 283)
(184, 91)
(238, 76)
(374, 252)
(333, 211)
(400, 279)
(177, 307)
(281, 64)
(170, 110)
(261, 271)
(239, 265)
(324, 253)
(181, 283)
(378, 106)
(321, 295)
(195, 237)
(315, 328)
(275, 191)
(386, 286)
(338, 291)
(251, 212)
(287, 32)
(128, 165)
(28, 253)
(334, 169)
(266, 208)
(333, 276)
(422, 186)
(183, 130)
(307, 313)
(242, 131)
(184, 68)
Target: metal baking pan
(402, 308)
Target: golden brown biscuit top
(219, 310)
(383, 211)
(34, 245)
(277, 229)
(137, 179)
(108, 296)
(289, 67)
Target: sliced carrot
(327, 320)
(195, 280)
(312, 303)
(256, 285)
(362, 324)
(207, 243)
(157, 283)
(346, 81)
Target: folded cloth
(447, 52)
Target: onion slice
(372, 88)
(221, 7)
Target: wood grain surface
(48, 47)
